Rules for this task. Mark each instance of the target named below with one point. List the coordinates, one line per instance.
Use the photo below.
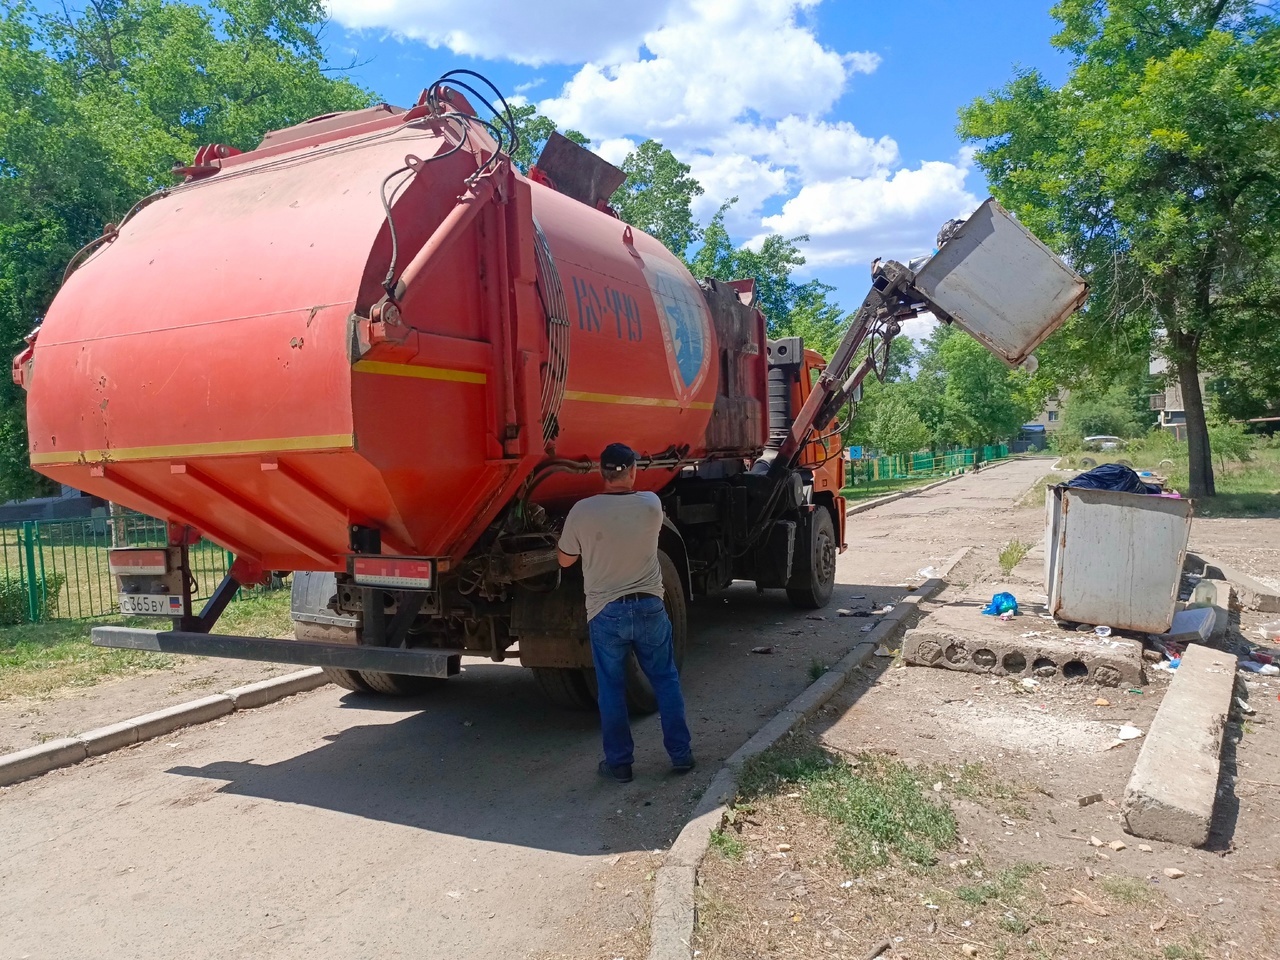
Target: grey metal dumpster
(1114, 558)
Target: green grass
(878, 488)
(816, 669)
(1003, 887)
(36, 659)
(1127, 889)
(1034, 497)
(1191, 951)
(1011, 555)
(727, 844)
(876, 806)
(979, 783)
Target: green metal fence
(57, 569)
(909, 466)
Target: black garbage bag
(1112, 476)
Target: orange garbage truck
(372, 352)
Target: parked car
(1104, 443)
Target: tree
(1156, 169)
(657, 196)
(771, 267)
(894, 424)
(532, 132)
(97, 107)
(983, 401)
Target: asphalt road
(467, 824)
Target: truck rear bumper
(418, 663)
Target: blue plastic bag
(1001, 603)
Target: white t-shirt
(616, 535)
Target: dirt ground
(29, 721)
(1025, 878)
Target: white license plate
(151, 604)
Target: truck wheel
(566, 688)
(311, 593)
(813, 584)
(640, 696)
(399, 684)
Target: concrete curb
(891, 497)
(25, 764)
(674, 913)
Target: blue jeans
(616, 631)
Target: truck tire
(566, 688)
(640, 696)
(814, 581)
(310, 596)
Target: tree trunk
(1200, 457)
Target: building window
(1053, 416)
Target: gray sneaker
(621, 773)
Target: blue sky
(831, 118)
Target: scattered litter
(762, 649)
(1270, 631)
(1135, 690)
(883, 651)
(1256, 655)
(844, 613)
(1089, 798)
(815, 616)
(937, 787)
(784, 848)
(1028, 683)
(886, 608)
(1102, 631)
(1128, 732)
(859, 597)
(1190, 626)
(846, 884)
(1266, 669)
(1001, 603)
(1173, 873)
(1244, 706)
(927, 572)
(1102, 702)
(868, 628)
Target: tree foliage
(532, 132)
(96, 108)
(1156, 169)
(658, 195)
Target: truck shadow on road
(487, 757)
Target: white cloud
(895, 215)
(709, 64)
(567, 31)
(741, 90)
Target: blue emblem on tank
(684, 327)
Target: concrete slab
(1172, 789)
(958, 636)
(1250, 594)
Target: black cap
(616, 458)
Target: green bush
(1066, 440)
(1228, 441)
(14, 608)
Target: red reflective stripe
(138, 561)
(398, 568)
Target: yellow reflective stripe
(421, 373)
(179, 450)
(584, 397)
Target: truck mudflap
(418, 663)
